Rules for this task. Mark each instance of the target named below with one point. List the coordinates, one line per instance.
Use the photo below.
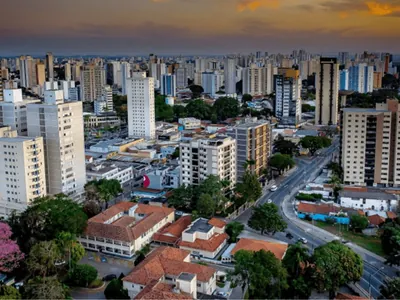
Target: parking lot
(106, 264)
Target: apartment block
(253, 143)
(253, 80)
(203, 157)
(327, 92)
(92, 82)
(61, 126)
(370, 148)
(109, 170)
(141, 115)
(287, 100)
(22, 171)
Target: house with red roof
(125, 228)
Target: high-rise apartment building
(49, 66)
(27, 71)
(66, 86)
(22, 171)
(67, 71)
(253, 143)
(344, 80)
(361, 78)
(212, 82)
(168, 85)
(230, 75)
(209, 156)
(287, 99)
(40, 74)
(327, 92)
(76, 71)
(141, 115)
(370, 145)
(92, 79)
(253, 80)
(13, 111)
(61, 126)
(125, 73)
(377, 80)
(181, 78)
(343, 57)
(268, 78)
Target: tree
(179, 112)
(71, 250)
(391, 288)
(197, 90)
(336, 265)
(176, 153)
(92, 191)
(115, 290)
(45, 288)
(250, 188)
(91, 208)
(285, 147)
(206, 206)
(314, 143)
(163, 111)
(281, 162)
(266, 218)
(198, 109)
(139, 259)
(297, 262)
(43, 258)
(261, 272)
(336, 185)
(181, 197)
(358, 223)
(226, 107)
(246, 98)
(390, 239)
(108, 189)
(82, 275)
(45, 218)
(335, 168)
(9, 292)
(307, 108)
(233, 230)
(10, 254)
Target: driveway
(112, 265)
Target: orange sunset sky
(198, 26)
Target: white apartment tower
(181, 78)
(203, 157)
(67, 71)
(253, 80)
(230, 75)
(22, 171)
(141, 115)
(287, 100)
(92, 79)
(61, 125)
(13, 111)
(327, 92)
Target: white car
(273, 188)
(269, 201)
(303, 240)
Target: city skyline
(198, 27)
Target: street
(373, 275)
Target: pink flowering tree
(10, 255)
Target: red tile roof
(391, 215)
(317, 209)
(349, 297)
(376, 220)
(171, 233)
(160, 290)
(164, 261)
(278, 249)
(210, 245)
(217, 222)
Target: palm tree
(336, 185)
(249, 163)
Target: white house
(109, 170)
(368, 199)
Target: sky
(131, 27)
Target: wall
(362, 203)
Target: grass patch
(220, 284)
(371, 243)
(95, 283)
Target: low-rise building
(204, 237)
(109, 170)
(190, 123)
(125, 228)
(171, 234)
(169, 267)
(115, 145)
(164, 177)
(108, 119)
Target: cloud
(382, 9)
(253, 5)
(343, 14)
(376, 7)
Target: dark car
(109, 277)
(289, 235)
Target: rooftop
(186, 276)
(278, 249)
(364, 110)
(369, 194)
(200, 225)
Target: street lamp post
(369, 281)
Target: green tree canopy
(336, 265)
(261, 272)
(179, 112)
(115, 290)
(226, 107)
(206, 206)
(45, 288)
(281, 162)
(358, 222)
(266, 218)
(285, 147)
(250, 188)
(91, 208)
(234, 229)
(307, 108)
(82, 275)
(199, 109)
(390, 239)
(163, 111)
(314, 143)
(45, 219)
(43, 258)
(103, 190)
(9, 292)
(391, 289)
(247, 98)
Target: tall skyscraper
(61, 126)
(370, 145)
(253, 80)
(66, 86)
(125, 74)
(344, 80)
(168, 85)
(357, 78)
(40, 74)
(343, 57)
(230, 75)
(288, 101)
(212, 82)
(22, 171)
(49, 66)
(327, 92)
(67, 71)
(27, 71)
(268, 78)
(92, 78)
(141, 116)
(181, 78)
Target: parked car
(109, 277)
(303, 240)
(103, 259)
(269, 201)
(59, 262)
(289, 235)
(273, 188)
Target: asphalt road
(307, 171)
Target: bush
(309, 197)
(115, 290)
(96, 283)
(308, 218)
(82, 275)
(330, 220)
